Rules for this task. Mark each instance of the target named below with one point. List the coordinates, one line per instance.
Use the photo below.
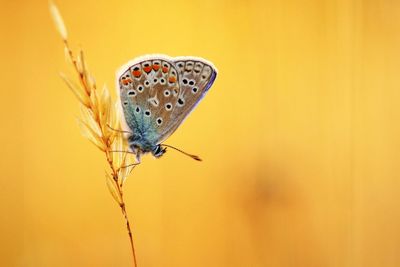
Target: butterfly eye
(194, 90)
(159, 121)
(162, 81)
(167, 93)
(168, 106)
(140, 88)
(181, 102)
(191, 82)
(147, 113)
(146, 83)
(155, 80)
(131, 93)
(137, 109)
(185, 81)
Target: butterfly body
(157, 93)
(144, 143)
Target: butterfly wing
(127, 94)
(158, 92)
(195, 77)
(149, 89)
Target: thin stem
(123, 209)
(122, 205)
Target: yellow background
(299, 136)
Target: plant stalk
(123, 209)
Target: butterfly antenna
(130, 165)
(183, 152)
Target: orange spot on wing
(125, 82)
(156, 67)
(147, 69)
(136, 73)
(172, 79)
(164, 69)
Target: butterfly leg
(120, 131)
(138, 157)
(129, 165)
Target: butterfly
(157, 93)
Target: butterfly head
(141, 146)
(158, 151)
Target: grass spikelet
(91, 135)
(113, 189)
(99, 122)
(76, 90)
(58, 21)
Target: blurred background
(299, 136)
